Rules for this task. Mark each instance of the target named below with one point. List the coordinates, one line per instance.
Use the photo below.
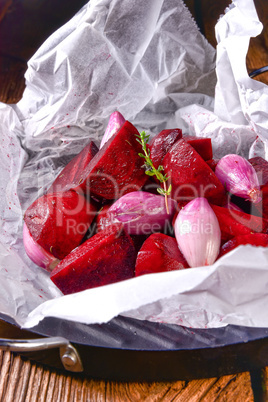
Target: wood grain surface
(22, 380)
(24, 25)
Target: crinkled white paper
(149, 61)
(204, 297)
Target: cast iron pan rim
(142, 331)
(255, 334)
(135, 357)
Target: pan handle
(258, 71)
(68, 354)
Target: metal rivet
(69, 358)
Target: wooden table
(25, 380)
(21, 380)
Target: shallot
(142, 212)
(239, 177)
(36, 253)
(197, 232)
(116, 121)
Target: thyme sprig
(143, 140)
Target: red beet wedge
(159, 253)
(212, 163)
(255, 239)
(261, 167)
(71, 175)
(234, 223)
(190, 176)
(262, 206)
(59, 221)
(107, 257)
(162, 143)
(202, 145)
(117, 168)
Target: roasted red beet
(261, 167)
(212, 163)
(162, 143)
(190, 176)
(70, 176)
(107, 257)
(159, 253)
(59, 221)
(138, 241)
(262, 206)
(117, 168)
(234, 223)
(202, 145)
(255, 239)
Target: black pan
(132, 350)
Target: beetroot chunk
(107, 257)
(202, 145)
(212, 163)
(117, 168)
(261, 167)
(70, 176)
(162, 143)
(234, 223)
(190, 176)
(255, 239)
(59, 221)
(159, 253)
(262, 206)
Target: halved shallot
(239, 177)
(198, 233)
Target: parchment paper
(149, 61)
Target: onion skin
(142, 213)
(197, 232)
(116, 121)
(239, 177)
(36, 253)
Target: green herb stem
(143, 139)
(166, 200)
